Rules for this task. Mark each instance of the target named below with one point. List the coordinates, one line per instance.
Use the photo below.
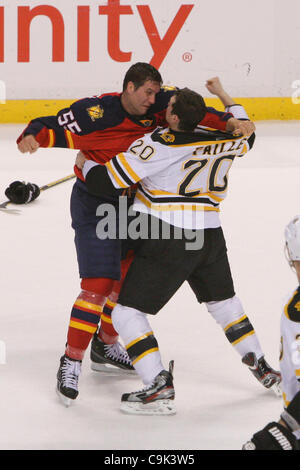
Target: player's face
(139, 100)
(297, 268)
(169, 110)
(172, 119)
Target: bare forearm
(226, 99)
(215, 87)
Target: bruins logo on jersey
(146, 122)
(167, 137)
(297, 306)
(292, 309)
(95, 112)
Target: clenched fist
(28, 144)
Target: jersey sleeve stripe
(115, 176)
(202, 143)
(125, 164)
(122, 173)
(69, 140)
(245, 148)
(51, 138)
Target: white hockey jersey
(290, 347)
(183, 177)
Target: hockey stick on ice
(3, 206)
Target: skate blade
(64, 400)
(156, 408)
(98, 367)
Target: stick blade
(10, 211)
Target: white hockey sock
(137, 335)
(229, 314)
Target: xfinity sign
(112, 10)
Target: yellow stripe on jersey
(128, 168)
(51, 138)
(70, 140)
(286, 402)
(245, 148)
(156, 192)
(207, 143)
(206, 128)
(212, 196)
(114, 174)
(172, 207)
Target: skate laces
(70, 371)
(146, 388)
(264, 367)
(159, 380)
(117, 352)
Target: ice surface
(219, 403)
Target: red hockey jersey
(101, 128)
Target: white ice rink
(219, 403)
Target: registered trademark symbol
(187, 57)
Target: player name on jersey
(183, 176)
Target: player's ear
(175, 119)
(130, 88)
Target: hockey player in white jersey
(182, 179)
(285, 434)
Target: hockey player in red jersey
(102, 127)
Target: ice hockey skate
(155, 399)
(268, 377)
(109, 357)
(67, 380)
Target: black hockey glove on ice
(21, 193)
(273, 437)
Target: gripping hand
(274, 436)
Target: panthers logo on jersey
(146, 122)
(95, 112)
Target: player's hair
(139, 73)
(189, 107)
